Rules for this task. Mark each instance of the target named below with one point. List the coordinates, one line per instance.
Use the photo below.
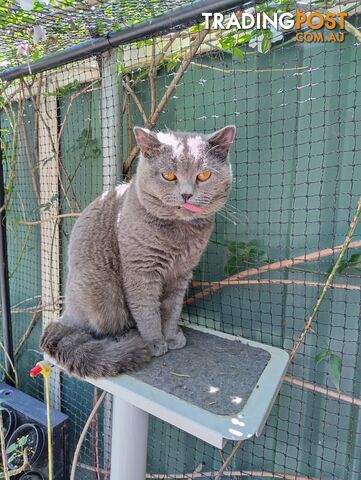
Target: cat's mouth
(191, 208)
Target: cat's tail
(83, 355)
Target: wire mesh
(32, 28)
(297, 176)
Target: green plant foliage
(17, 448)
(351, 266)
(171, 63)
(266, 41)
(242, 255)
(334, 366)
(197, 28)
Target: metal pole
(181, 17)
(129, 441)
(4, 278)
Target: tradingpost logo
(306, 25)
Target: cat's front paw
(179, 341)
(157, 349)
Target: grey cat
(132, 252)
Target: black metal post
(4, 279)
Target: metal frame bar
(180, 17)
(4, 280)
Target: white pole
(111, 119)
(129, 441)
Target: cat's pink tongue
(192, 208)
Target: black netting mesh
(67, 137)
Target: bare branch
(49, 219)
(70, 104)
(228, 460)
(135, 98)
(83, 435)
(249, 70)
(324, 391)
(280, 281)
(228, 473)
(271, 267)
(27, 333)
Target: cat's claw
(179, 341)
(157, 349)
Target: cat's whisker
(230, 216)
(239, 215)
(236, 209)
(226, 217)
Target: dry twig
(135, 98)
(313, 256)
(229, 473)
(324, 391)
(27, 333)
(280, 281)
(83, 434)
(49, 219)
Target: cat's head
(183, 175)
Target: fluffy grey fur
(132, 252)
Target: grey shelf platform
(219, 387)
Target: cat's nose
(186, 196)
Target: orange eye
(169, 176)
(203, 176)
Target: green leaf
(266, 41)
(225, 43)
(22, 441)
(238, 53)
(334, 369)
(243, 39)
(12, 458)
(256, 33)
(231, 266)
(12, 448)
(355, 261)
(36, 55)
(172, 63)
(197, 28)
(321, 356)
(242, 255)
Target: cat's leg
(97, 302)
(143, 292)
(171, 309)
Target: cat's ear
(146, 141)
(222, 140)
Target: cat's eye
(203, 176)
(169, 176)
